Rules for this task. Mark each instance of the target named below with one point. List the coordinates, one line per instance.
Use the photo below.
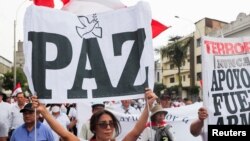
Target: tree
(177, 53)
(158, 87)
(8, 80)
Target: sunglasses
(104, 124)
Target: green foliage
(177, 53)
(173, 89)
(195, 90)
(158, 87)
(9, 80)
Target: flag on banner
(49, 3)
(157, 28)
(75, 6)
(17, 89)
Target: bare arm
(57, 127)
(141, 123)
(197, 125)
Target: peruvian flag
(17, 89)
(49, 3)
(75, 6)
(157, 28)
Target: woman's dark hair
(95, 118)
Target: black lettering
(230, 79)
(232, 120)
(245, 80)
(228, 105)
(237, 78)
(217, 98)
(220, 121)
(100, 73)
(242, 96)
(216, 86)
(39, 63)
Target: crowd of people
(56, 122)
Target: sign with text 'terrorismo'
(226, 79)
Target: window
(172, 66)
(184, 78)
(198, 75)
(198, 59)
(158, 76)
(172, 80)
(198, 41)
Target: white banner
(73, 58)
(226, 80)
(180, 118)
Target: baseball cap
(27, 107)
(95, 104)
(164, 97)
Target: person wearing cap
(4, 117)
(62, 118)
(157, 129)
(26, 132)
(165, 101)
(85, 132)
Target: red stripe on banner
(65, 1)
(47, 3)
(157, 28)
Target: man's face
(20, 99)
(29, 117)
(1, 97)
(97, 108)
(165, 103)
(126, 103)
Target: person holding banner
(157, 129)
(85, 132)
(103, 127)
(27, 131)
(196, 127)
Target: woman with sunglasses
(103, 124)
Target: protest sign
(226, 80)
(70, 58)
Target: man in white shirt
(16, 118)
(85, 132)
(61, 117)
(4, 118)
(126, 108)
(196, 127)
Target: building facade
(191, 70)
(19, 55)
(191, 67)
(5, 65)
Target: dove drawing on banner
(90, 28)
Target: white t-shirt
(4, 118)
(63, 119)
(204, 135)
(16, 116)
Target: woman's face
(105, 128)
